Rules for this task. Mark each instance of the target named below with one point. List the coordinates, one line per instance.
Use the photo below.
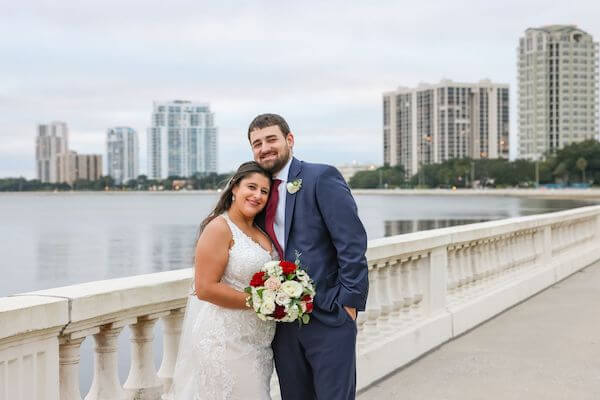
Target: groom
(311, 211)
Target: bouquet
(281, 291)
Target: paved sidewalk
(547, 348)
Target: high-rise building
(51, 142)
(182, 140)
(558, 89)
(122, 154)
(434, 123)
(76, 167)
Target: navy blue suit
(318, 360)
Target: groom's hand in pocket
(351, 312)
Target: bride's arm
(212, 254)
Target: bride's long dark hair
(224, 203)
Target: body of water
(56, 239)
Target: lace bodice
(245, 258)
(226, 353)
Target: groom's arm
(348, 235)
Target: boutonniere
(294, 186)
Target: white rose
(282, 298)
(267, 307)
(268, 296)
(272, 283)
(292, 288)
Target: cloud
(323, 65)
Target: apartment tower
(122, 154)
(52, 141)
(558, 89)
(434, 123)
(182, 140)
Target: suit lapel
(290, 199)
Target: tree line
(574, 164)
(142, 182)
(578, 163)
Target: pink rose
(272, 283)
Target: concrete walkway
(545, 348)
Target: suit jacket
(322, 224)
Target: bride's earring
(233, 197)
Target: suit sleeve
(348, 235)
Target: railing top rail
(22, 313)
(83, 305)
(422, 241)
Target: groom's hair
(266, 120)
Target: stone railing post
(105, 384)
(373, 308)
(385, 302)
(434, 280)
(142, 382)
(171, 334)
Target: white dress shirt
(279, 223)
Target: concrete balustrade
(425, 289)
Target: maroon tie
(270, 215)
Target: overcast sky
(323, 65)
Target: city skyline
(322, 67)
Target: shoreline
(566, 194)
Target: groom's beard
(276, 165)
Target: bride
(225, 350)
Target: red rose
(258, 279)
(288, 267)
(279, 312)
(306, 297)
(309, 307)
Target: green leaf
(248, 290)
(305, 318)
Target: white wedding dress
(226, 353)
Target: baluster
(531, 247)
(142, 382)
(484, 261)
(511, 251)
(105, 384)
(518, 240)
(477, 264)
(468, 266)
(396, 291)
(68, 359)
(407, 290)
(452, 273)
(171, 334)
(385, 304)
(417, 264)
(494, 259)
(461, 277)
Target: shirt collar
(283, 173)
